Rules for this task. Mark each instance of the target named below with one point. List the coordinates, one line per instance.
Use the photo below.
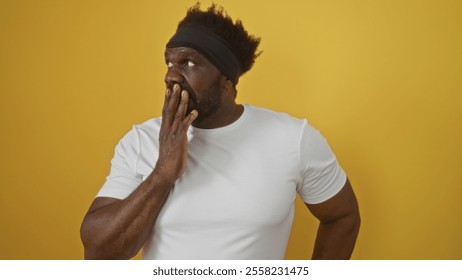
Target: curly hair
(218, 21)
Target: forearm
(336, 240)
(118, 230)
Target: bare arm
(339, 225)
(117, 229)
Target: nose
(173, 76)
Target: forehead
(182, 52)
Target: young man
(213, 179)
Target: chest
(232, 185)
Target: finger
(181, 111)
(171, 105)
(168, 92)
(189, 119)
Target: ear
(229, 87)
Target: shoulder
(149, 126)
(277, 120)
(139, 133)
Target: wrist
(160, 178)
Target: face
(195, 74)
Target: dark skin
(117, 229)
(339, 222)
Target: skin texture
(197, 94)
(339, 225)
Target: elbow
(106, 251)
(100, 253)
(353, 222)
(356, 223)
(90, 242)
(91, 254)
(100, 246)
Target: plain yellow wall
(381, 79)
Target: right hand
(173, 140)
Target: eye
(189, 63)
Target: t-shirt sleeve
(321, 176)
(123, 178)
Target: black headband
(212, 46)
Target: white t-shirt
(236, 197)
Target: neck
(223, 117)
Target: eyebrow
(182, 54)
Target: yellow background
(381, 79)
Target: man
(213, 179)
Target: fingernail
(175, 87)
(167, 92)
(183, 93)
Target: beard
(208, 102)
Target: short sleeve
(321, 176)
(123, 178)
